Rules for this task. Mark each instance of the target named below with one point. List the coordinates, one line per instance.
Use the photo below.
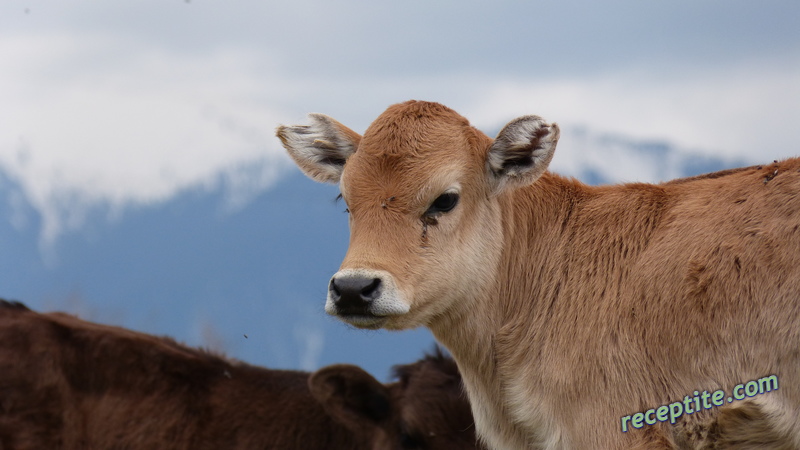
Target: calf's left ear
(350, 395)
(321, 148)
(521, 152)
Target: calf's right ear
(350, 395)
(321, 148)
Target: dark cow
(70, 384)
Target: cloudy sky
(128, 102)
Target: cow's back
(71, 384)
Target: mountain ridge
(249, 280)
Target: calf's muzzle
(354, 295)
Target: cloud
(135, 130)
(745, 111)
(129, 103)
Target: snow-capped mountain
(250, 280)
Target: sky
(123, 103)
(116, 105)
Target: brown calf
(574, 312)
(70, 384)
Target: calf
(574, 312)
(70, 384)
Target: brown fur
(568, 306)
(71, 384)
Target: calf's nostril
(371, 290)
(333, 288)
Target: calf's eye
(443, 203)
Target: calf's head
(422, 189)
(425, 408)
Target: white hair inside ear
(521, 152)
(321, 148)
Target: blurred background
(141, 184)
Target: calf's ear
(521, 152)
(350, 395)
(321, 148)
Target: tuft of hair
(12, 304)
(437, 358)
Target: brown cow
(70, 384)
(574, 312)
